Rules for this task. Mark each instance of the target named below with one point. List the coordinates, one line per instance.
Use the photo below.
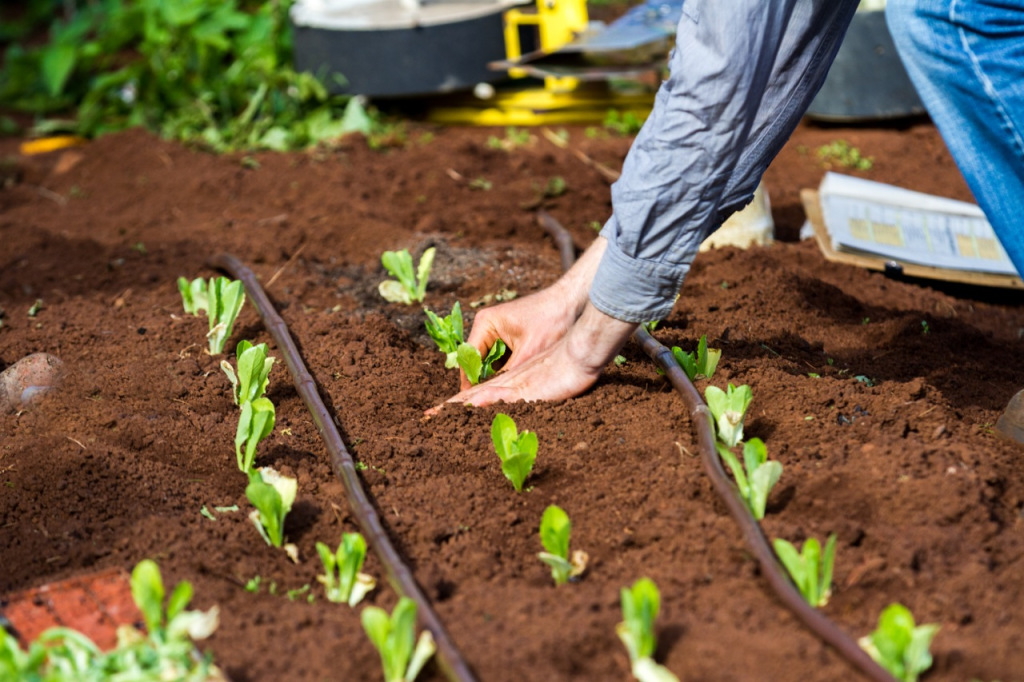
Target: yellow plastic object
(584, 105)
(50, 144)
(557, 22)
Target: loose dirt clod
(23, 384)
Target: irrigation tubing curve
(401, 578)
(703, 423)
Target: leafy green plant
(518, 451)
(699, 366)
(555, 187)
(478, 368)
(216, 74)
(164, 652)
(728, 408)
(171, 622)
(810, 570)
(640, 606)
(273, 495)
(899, 645)
(841, 153)
(514, 139)
(343, 582)
(255, 422)
(756, 478)
(393, 637)
(555, 528)
(447, 333)
(253, 376)
(221, 299)
(411, 285)
(623, 122)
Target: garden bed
(901, 462)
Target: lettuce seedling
(253, 374)
(640, 606)
(221, 299)
(447, 333)
(173, 622)
(273, 495)
(255, 422)
(555, 528)
(760, 476)
(899, 645)
(810, 570)
(479, 368)
(518, 451)
(699, 366)
(728, 409)
(393, 637)
(342, 579)
(165, 652)
(410, 286)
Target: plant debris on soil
(877, 395)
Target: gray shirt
(742, 74)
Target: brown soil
(116, 467)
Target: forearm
(741, 78)
(574, 285)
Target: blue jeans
(966, 58)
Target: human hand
(533, 324)
(564, 368)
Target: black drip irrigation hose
(401, 578)
(703, 423)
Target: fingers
(484, 332)
(479, 396)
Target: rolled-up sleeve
(742, 74)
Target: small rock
(26, 382)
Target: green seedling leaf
(810, 570)
(756, 477)
(555, 529)
(173, 624)
(342, 579)
(640, 606)
(253, 376)
(899, 645)
(221, 299)
(447, 333)
(148, 593)
(255, 422)
(164, 652)
(699, 366)
(273, 496)
(728, 409)
(393, 638)
(226, 298)
(517, 451)
(409, 286)
(193, 295)
(762, 474)
(478, 369)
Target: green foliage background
(212, 72)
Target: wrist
(596, 338)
